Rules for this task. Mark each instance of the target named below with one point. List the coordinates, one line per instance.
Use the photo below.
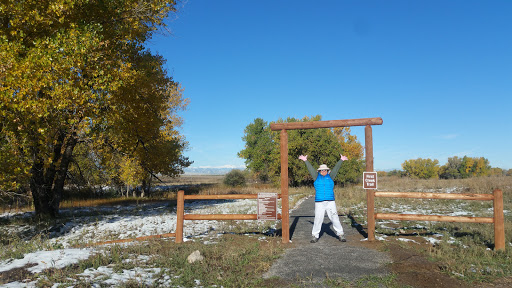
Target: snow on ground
(143, 276)
(406, 240)
(47, 259)
(427, 207)
(99, 224)
(151, 219)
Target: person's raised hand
(343, 158)
(303, 158)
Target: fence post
(180, 211)
(499, 221)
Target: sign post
(370, 193)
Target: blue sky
(439, 73)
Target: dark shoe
(342, 238)
(314, 240)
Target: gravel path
(328, 258)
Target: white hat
(323, 167)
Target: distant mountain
(209, 170)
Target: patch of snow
(432, 240)
(407, 240)
(461, 213)
(47, 259)
(377, 237)
(17, 284)
(131, 221)
(122, 222)
(451, 190)
(107, 276)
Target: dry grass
(235, 256)
(466, 248)
(478, 185)
(349, 196)
(354, 197)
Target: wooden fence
(181, 216)
(496, 197)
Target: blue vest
(324, 188)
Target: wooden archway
(370, 193)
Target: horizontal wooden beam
(425, 195)
(224, 196)
(326, 124)
(142, 238)
(418, 217)
(223, 216)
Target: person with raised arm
(323, 179)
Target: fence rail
(498, 220)
(181, 216)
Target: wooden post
(180, 212)
(499, 221)
(370, 197)
(285, 221)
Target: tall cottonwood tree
(77, 71)
(323, 146)
(258, 149)
(451, 169)
(474, 166)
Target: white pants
(320, 209)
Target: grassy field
(243, 252)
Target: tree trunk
(146, 186)
(42, 193)
(47, 183)
(61, 175)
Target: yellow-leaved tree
(349, 143)
(421, 168)
(323, 146)
(76, 72)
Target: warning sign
(370, 180)
(267, 206)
